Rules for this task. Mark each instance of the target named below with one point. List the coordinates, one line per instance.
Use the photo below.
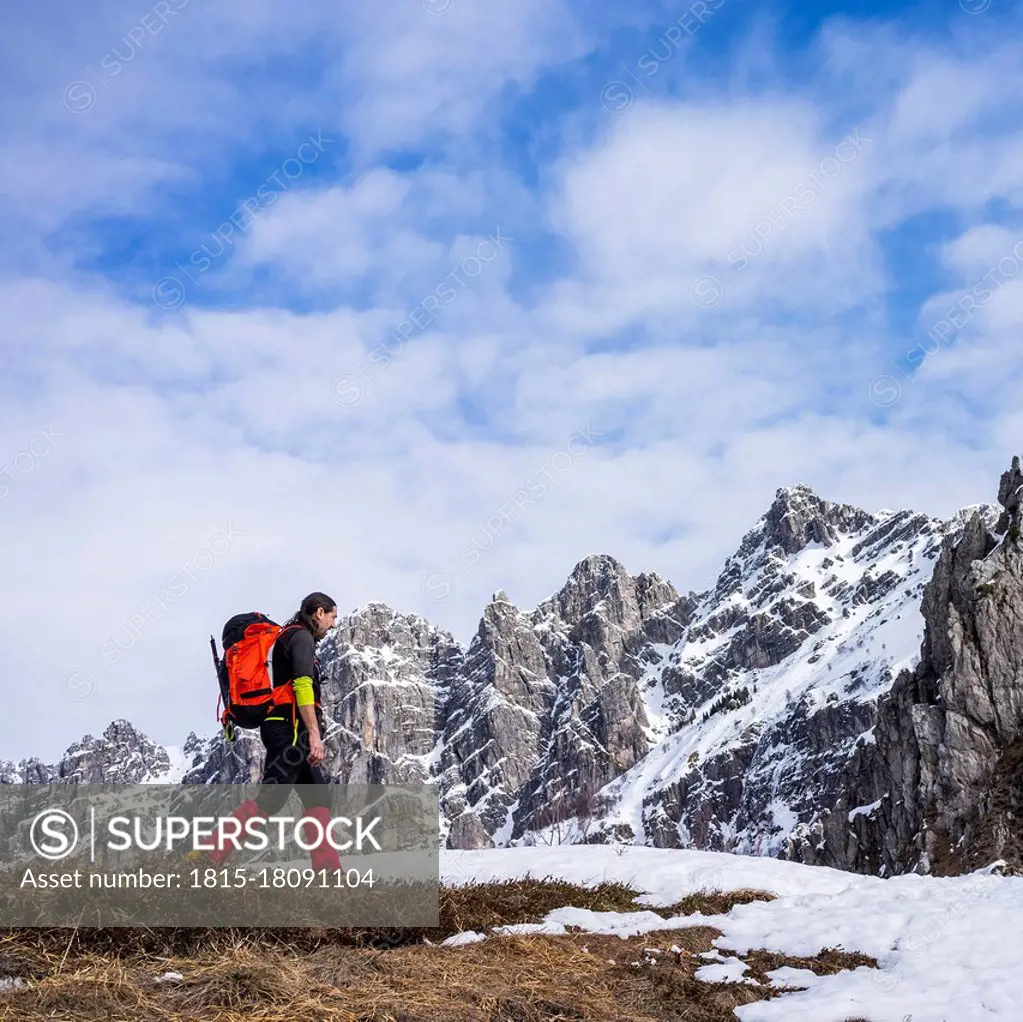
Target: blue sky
(415, 302)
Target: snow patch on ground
(729, 971)
(947, 948)
(465, 937)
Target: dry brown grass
(366, 976)
(827, 963)
(713, 903)
(521, 978)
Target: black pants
(287, 764)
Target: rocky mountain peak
(499, 620)
(124, 755)
(499, 606)
(371, 622)
(123, 732)
(193, 744)
(798, 517)
(376, 629)
(28, 771)
(600, 584)
(593, 579)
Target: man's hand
(315, 749)
(308, 715)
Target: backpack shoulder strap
(270, 652)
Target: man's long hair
(312, 603)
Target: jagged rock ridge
(777, 676)
(621, 709)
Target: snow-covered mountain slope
(777, 677)
(619, 708)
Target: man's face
(324, 620)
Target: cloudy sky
(420, 300)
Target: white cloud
(178, 425)
(410, 77)
(678, 185)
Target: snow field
(947, 948)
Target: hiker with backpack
(269, 678)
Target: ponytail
(312, 603)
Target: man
(292, 731)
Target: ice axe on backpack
(225, 688)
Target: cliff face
(940, 788)
(550, 705)
(847, 692)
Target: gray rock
(943, 769)
(122, 756)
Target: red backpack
(245, 672)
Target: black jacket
(294, 656)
